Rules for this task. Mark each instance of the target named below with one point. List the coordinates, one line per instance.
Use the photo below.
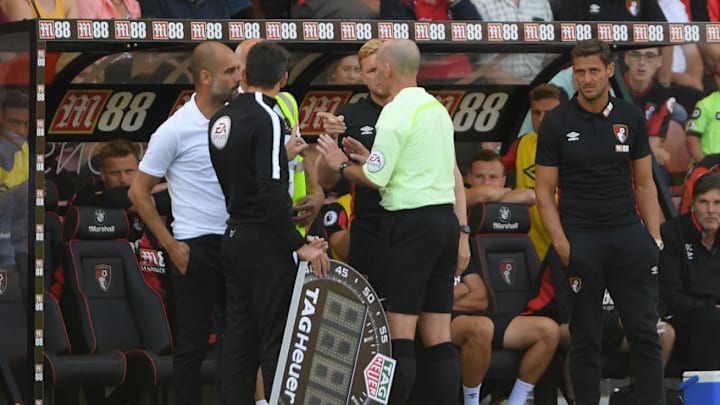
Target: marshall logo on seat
(495, 217)
(100, 217)
(505, 216)
(103, 275)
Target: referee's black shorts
(418, 260)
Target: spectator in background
(517, 67)
(207, 9)
(337, 9)
(618, 10)
(703, 127)
(654, 100)
(345, 70)
(14, 175)
(687, 68)
(14, 168)
(17, 10)
(689, 277)
(109, 9)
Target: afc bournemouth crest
(3, 281)
(621, 132)
(103, 275)
(507, 271)
(633, 7)
(575, 284)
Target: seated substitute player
(689, 276)
(487, 182)
(477, 330)
(118, 160)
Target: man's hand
(563, 250)
(463, 258)
(331, 152)
(318, 258)
(308, 208)
(296, 145)
(333, 125)
(356, 150)
(179, 254)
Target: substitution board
(336, 347)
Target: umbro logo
(366, 130)
(572, 136)
(594, 8)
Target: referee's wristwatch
(344, 166)
(660, 244)
(465, 229)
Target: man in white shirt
(178, 151)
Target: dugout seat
(64, 372)
(53, 241)
(509, 266)
(110, 306)
(13, 345)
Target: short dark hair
(547, 90)
(706, 182)
(117, 148)
(266, 64)
(592, 47)
(16, 99)
(487, 155)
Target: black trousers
(698, 334)
(259, 279)
(197, 294)
(625, 261)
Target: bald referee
(412, 164)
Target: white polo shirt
(178, 150)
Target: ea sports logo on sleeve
(220, 131)
(378, 377)
(375, 162)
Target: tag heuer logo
(504, 214)
(378, 378)
(103, 275)
(507, 270)
(100, 216)
(3, 281)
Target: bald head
(204, 57)
(243, 49)
(402, 55)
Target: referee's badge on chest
(220, 131)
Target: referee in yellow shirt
(412, 164)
